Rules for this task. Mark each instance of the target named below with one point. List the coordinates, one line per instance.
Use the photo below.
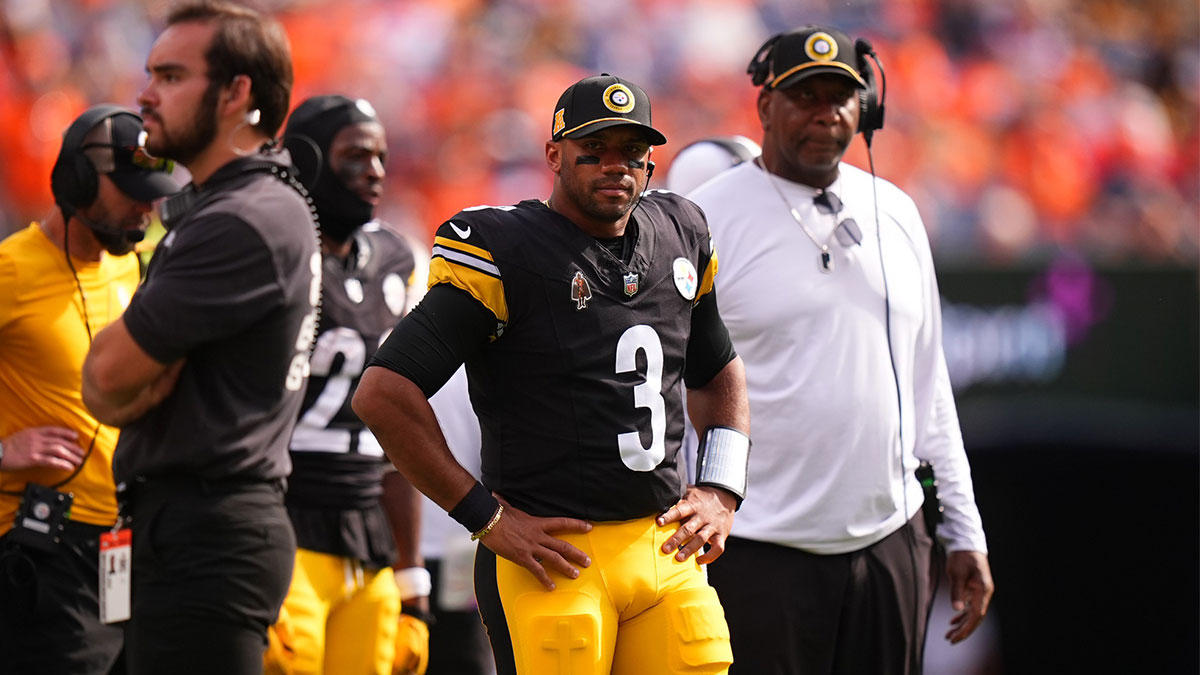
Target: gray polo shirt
(233, 289)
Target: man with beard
(579, 319)
(205, 372)
(342, 612)
(831, 298)
(61, 280)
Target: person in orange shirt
(61, 281)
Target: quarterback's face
(602, 174)
(810, 125)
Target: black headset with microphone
(871, 100)
(74, 181)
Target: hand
(412, 647)
(46, 447)
(526, 540)
(157, 390)
(705, 515)
(971, 591)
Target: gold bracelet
(491, 523)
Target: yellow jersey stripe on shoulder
(477, 276)
(468, 249)
(709, 277)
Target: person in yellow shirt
(61, 281)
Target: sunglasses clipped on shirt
(847, 232)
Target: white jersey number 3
(648, 395)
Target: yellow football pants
(339, 617)
(634, 611)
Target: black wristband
(475, 510)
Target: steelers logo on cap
(821, 47)
(618, 99)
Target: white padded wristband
(413, 582)
(723, 460)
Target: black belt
(74, 529)
(184, 484)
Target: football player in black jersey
(342, 612)
(580, 319)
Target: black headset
(74, 180)
(871, 99)
(306, 156)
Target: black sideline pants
(792, 612)
(49, 608)
(211, 566)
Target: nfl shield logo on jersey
(631, 281)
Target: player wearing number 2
(579, 319)
(342, 611)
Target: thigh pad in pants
(558, 632)
(685, 633)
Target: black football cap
(114, 146)
(812, 50)
(600, 102)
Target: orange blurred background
(1021, 128)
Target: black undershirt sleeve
(709, 348)
(436, 337)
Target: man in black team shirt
(579, 318)
(342, 612)
(206, 370)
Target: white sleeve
(939, 437)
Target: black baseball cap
(812, 50)
(600, 102)
(114, 147)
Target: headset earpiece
(306, 157)
(760, 66)
(871, 99)
(73, 180)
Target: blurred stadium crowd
(1022, 127)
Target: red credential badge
(116, 563)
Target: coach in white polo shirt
(828, 290)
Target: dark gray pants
(212, 563)
(792, 612)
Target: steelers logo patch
(618, 99)
(395, 293)
(821, 47)
(354, 290)
(686, 280)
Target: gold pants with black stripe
(635, 610)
